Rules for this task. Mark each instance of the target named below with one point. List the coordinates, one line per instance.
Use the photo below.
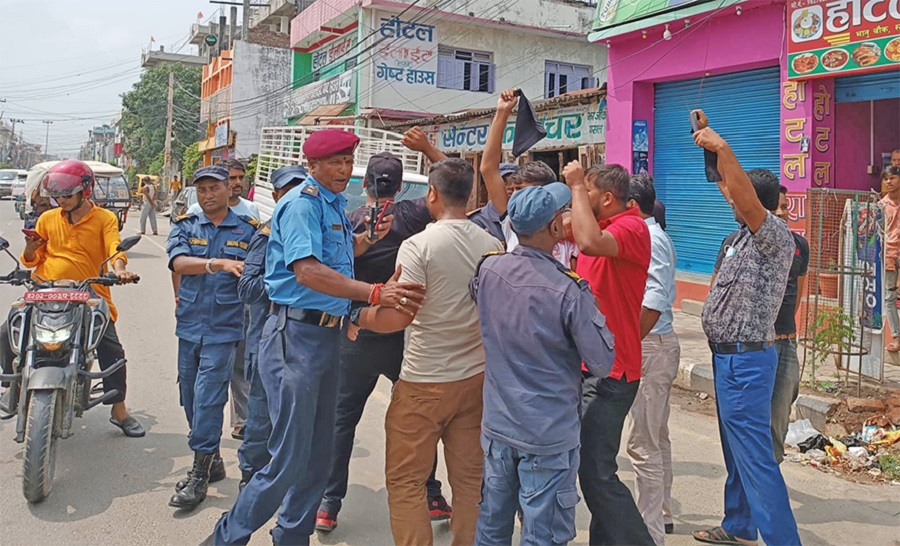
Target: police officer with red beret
(309, 270)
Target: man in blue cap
(253, 454)
(531, 443)
(309, 268)
(208, 252)
(488, 217)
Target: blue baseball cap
(290, 174)
(507, 169)
(215, 172)
(532, 208)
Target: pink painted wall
(726, 43)
(853, 145)
(316, 16)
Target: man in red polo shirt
(614, 247)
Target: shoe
(438, 508)
(245, 479)
(130, 426)
(670, 528)
(155, 233)
(325, 521)
(6, 412)
(194, 491)
(237, 433)
(216, 473)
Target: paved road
(113, 490)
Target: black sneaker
(439, 509)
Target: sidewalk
(695, 370)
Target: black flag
(529, 131)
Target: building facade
(384, 62)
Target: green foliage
(833, 333)
(252, 165)
(144, 114)
(5, 165)
(890, 465)
(190, 162)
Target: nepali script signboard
(334, 90)
(566, 128)
(408, 57)
(837, 37)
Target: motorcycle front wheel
(40, 446)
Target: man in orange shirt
(74, 240)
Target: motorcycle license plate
(62, 296)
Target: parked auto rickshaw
(110, 188)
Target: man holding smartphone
(373, 355)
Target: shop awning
(323, 111)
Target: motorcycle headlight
(52, 339)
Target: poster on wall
(409, 56)
(340, 89)
(840, 37)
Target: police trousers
(756, 497)
(253, 454)
(299, 371)
(543, 485)
(203, 373)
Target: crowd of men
(526, 338)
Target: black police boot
(245, 479)
(216, 473)
(194, 492)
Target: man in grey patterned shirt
(739, 318)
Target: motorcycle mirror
(4, 244)
(22, 274)
(128, 243)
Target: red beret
(328, 142)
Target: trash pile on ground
(875, 449)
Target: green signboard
(611, 13)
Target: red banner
(118, 148)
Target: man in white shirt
(439, 394)
(239, 205)
(647, 424)
(148, 206)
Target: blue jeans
(204, 370)
(543, 485)
(756, 497)
(298, 368)
(253, 454)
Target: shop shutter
(866, 87)
(744, 108)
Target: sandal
(717, 535)
(893, 347)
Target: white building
(386, 61)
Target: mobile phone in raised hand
(710, 159)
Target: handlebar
(21, 277)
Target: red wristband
(375, 294)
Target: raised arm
(591, 240)
(737, 185)
(493, 148)
(415, 140)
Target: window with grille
(465, 70)
(562, 78)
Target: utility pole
(47, 140)
(170, 106)
(245, 23)
(12, 140)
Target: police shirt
(539, 322)
(252, 289)
(488, 219)
(309, 221)
(209, 309)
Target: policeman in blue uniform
(487, 216)
(253, 454)
(531, 443)
(309, 265)
(207, 251)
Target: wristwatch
(354, 316)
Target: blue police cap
(508, 169)
(291, 174)
(532, 208)
(216, 172)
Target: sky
(68, 61)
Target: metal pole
(47, 140)
(245, 23)
(169, 121)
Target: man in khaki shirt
(439, 394)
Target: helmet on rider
(67, 178)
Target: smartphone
(32, 233)
(698, 120)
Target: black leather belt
(739, 347)
(309, 316)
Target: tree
(144, 113)
(190, 161)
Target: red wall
(852, 148)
